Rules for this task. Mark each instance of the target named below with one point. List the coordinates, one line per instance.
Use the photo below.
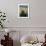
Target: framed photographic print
(23, 10)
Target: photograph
(23, 10)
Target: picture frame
(23, 10)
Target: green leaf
(2, 26)
(0, 21)
(4, 13)
(0, 12)
(4, 16)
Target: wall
(36, 21)
(37, 14)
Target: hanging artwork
(23, 10)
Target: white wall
(36, 20)
(37, 16)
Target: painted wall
(37, 14)
(36, 20)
